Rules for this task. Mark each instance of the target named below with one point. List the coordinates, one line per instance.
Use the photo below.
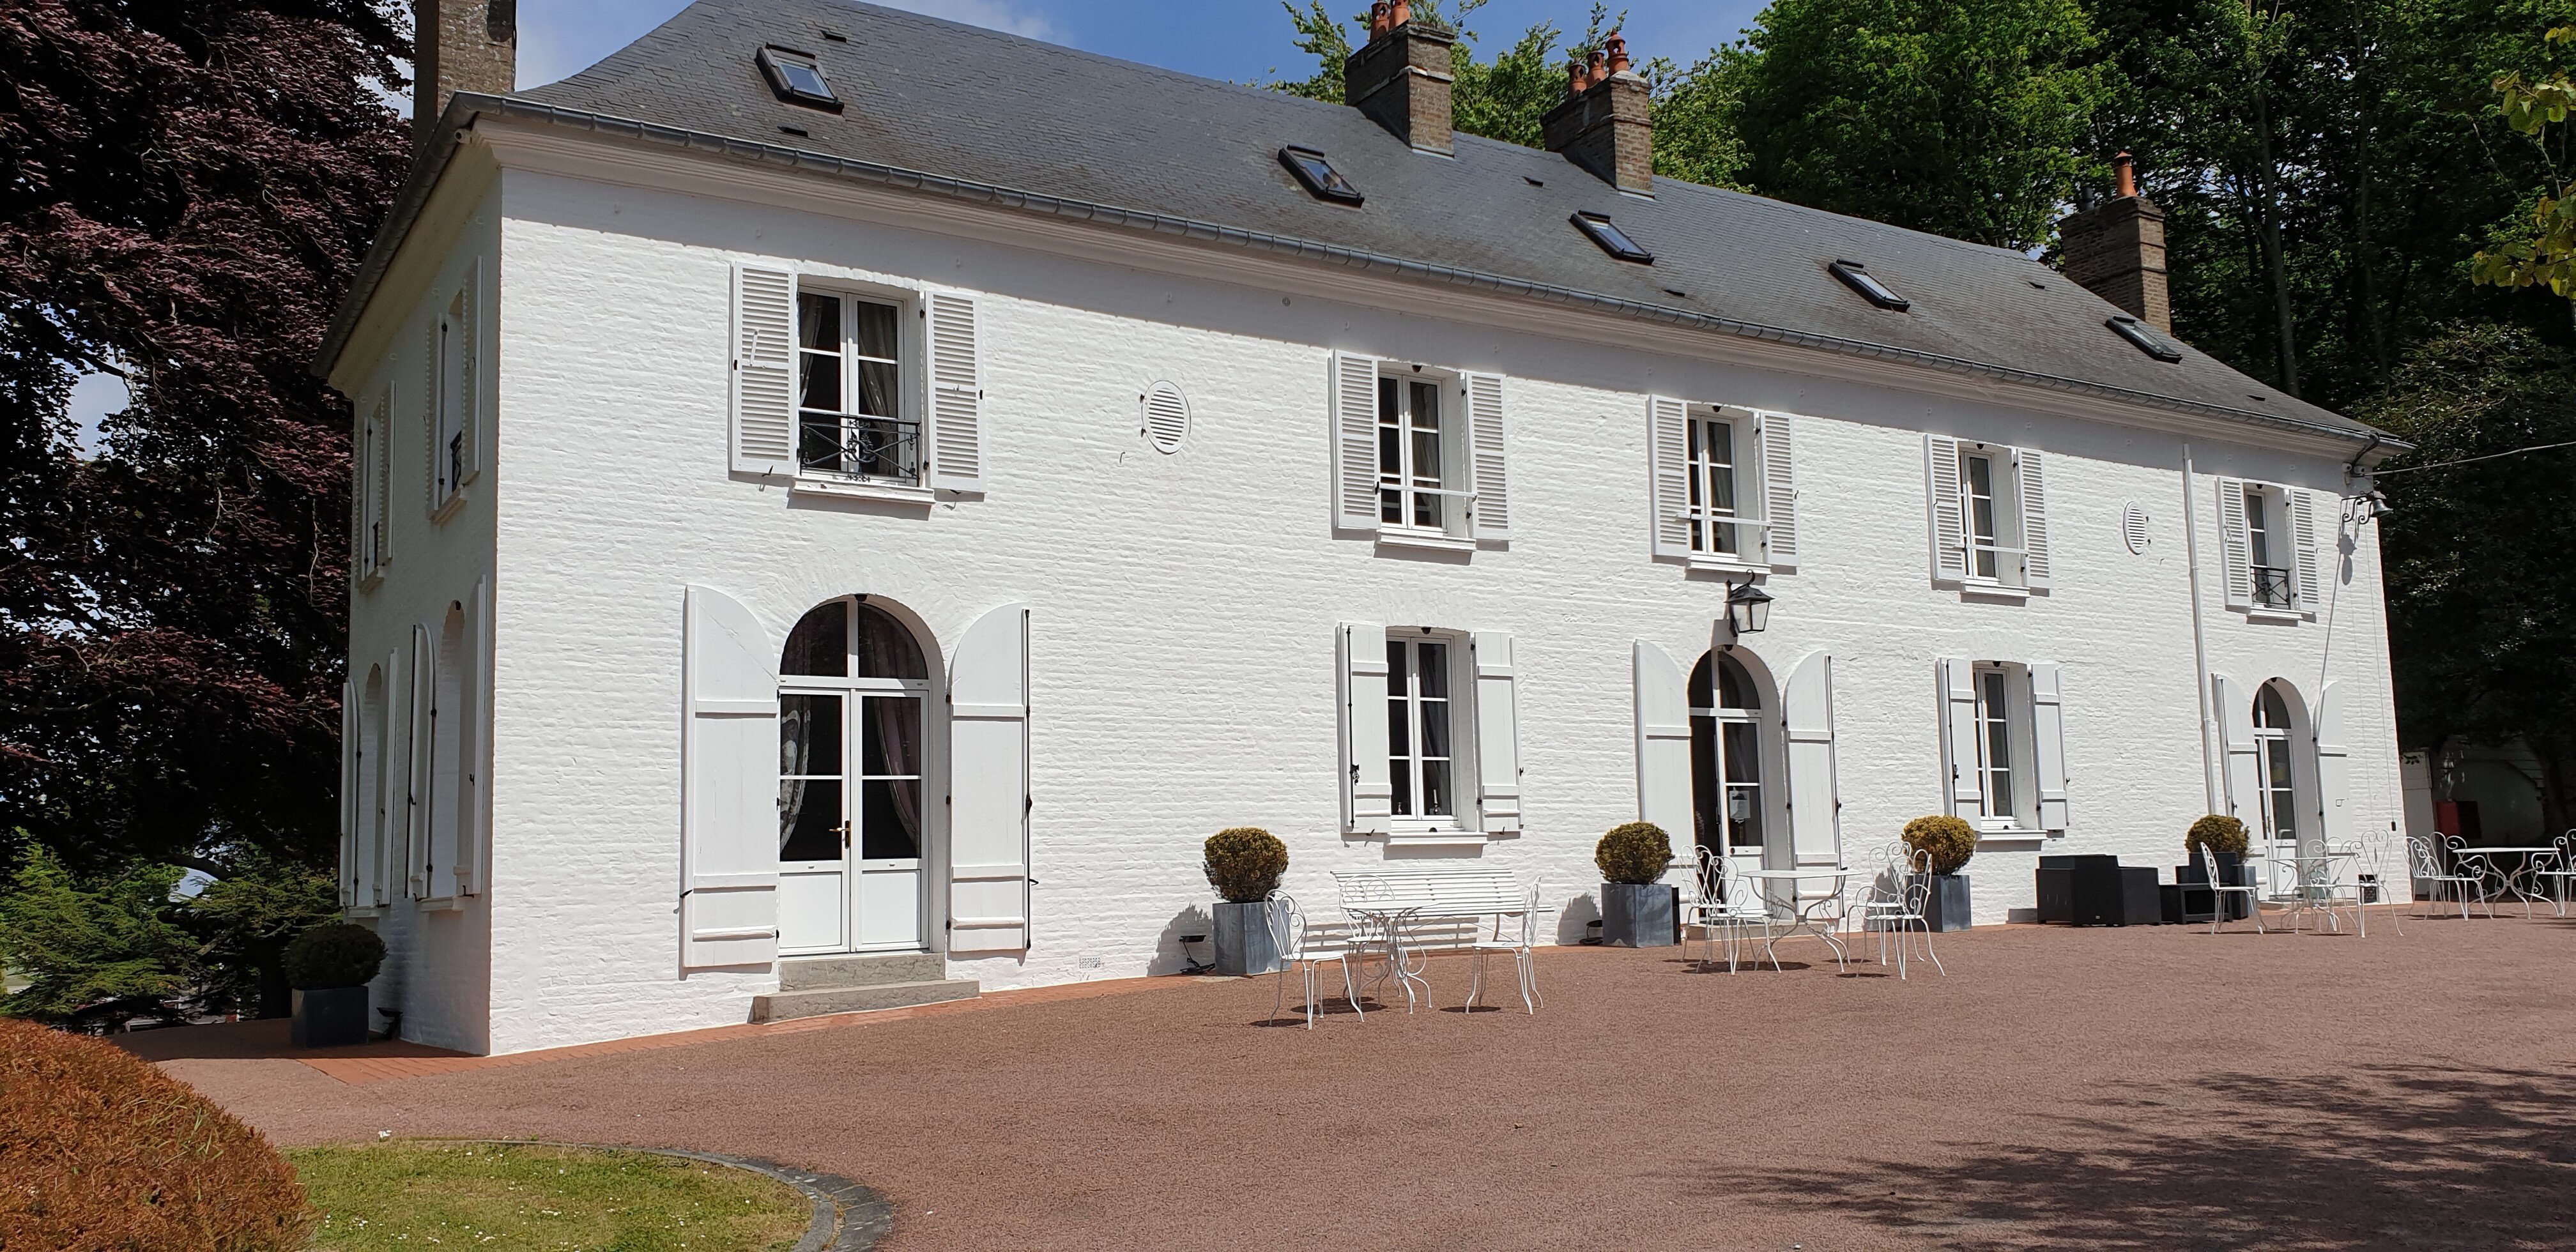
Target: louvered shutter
(1367, 796)
(956, 394)
(1958, 686)
(1354, 385)
(383, 495)
(1949, 538)
(468, 345)
(416, 789)
(2235, 561)
(2048, 745)
(1815, 799)
(1668, 468)
(2244, 772)
(474, 824)
(764, 371)
(2034, 517)
(1485, 432)
(1662, 696)
(1498, 733)
(2334, 767)
(2303, 534)
(430, 383)
(729, 786)
(1779, 491)
(989, 802)
(349, 764)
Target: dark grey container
(1634, 916)
(1244, 944)
(329, 1017)
(1945, 906)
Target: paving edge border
(848, 1216)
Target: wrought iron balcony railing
(880, 448)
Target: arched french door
(852, 691)
(2276, 787)
(1730, 806)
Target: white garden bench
(1417, 911)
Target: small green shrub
(1636, 853)
(1244, 863)
(333, 954)
(1949, 841)
(2220, 832)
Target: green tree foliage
(97, 953)
(2543, 249)
(242, 923)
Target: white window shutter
(1961, 786)
(2048, 744)
(2034, 517)
(384, 490)
(1662, 696)
(1498, 734)
(1668, 469)
(1368, 798)
(956, 394)
(430, 383)
(989, 907)
(764, 371)
(729, 786)
(2244, 772)
(1815, 794)
(348, 794)
(1779, 492)
(385, 833)
(2304, 557)
(1949, 538)
(416, 788)
(2334, 767)
(1485, 433)
(1354, 383)
(2236, 564)
(469, 373)
(473, 826)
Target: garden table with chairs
(1393, 906)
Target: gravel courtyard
(2143, 1088)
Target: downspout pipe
(2199, 636)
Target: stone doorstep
(823, 973)
(815, 1002)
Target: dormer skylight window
(1601, 230)
(1318, 175)
(797, 78)
(1858, 278)
(2145, 339)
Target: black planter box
(329, 1017)
(2097, 891)
(1244, 944)
(1634, 916)
(2197, 904)
(2140, 905)
(1945, 906)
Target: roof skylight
(797, 78)
(1318, 175)
(1612, 239)
(2146, 339)
(1858, 277)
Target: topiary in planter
(2218, 832)
(1948, 841)
(1244, 863)
(333, 954)
(1637, 853)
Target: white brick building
(1047, 393)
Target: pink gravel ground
(2145, 1088)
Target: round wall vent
(2133, 527)
(1167, 418)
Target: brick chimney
(1605, 125)
(2116, 249)
(1400, 78)
(460, 45)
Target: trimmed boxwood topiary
(1244, 863)
(333, 954)
(103, 1150)
(1637, 853)
(2223, 834)
(1948, 841)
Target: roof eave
(426, 166)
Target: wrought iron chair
(2553, 870)
(1518, 944)
(2465, 877)
(1893, 905)
(2220, 891)
(1305, 948)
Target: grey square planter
(1945, 906)
(1244, 944)
(1634, 916)
(329, 1017)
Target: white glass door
(850, 803)
(813, 822)
(887, 896)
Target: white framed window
(1998, 736)
(1430, 732)
(2003, 743)
(856, 415)
(1717, 524)
(455, 389)
(2268, 545)
(370, 530)
(845, 387)
(1989, 515)
(1722, 491)
(1421, 731)
(1418, 453)
(2276, 786)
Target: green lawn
(414, 1194)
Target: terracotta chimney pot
(1618, 49)
(1377, 19)
(1399, 13)
(2124, 172)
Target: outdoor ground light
(1748, 609)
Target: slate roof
(961, 110)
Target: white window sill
(1431, 540)
(449, 507)
(2274, 615)
(1436, 838)
(1993, 590)
(371, 580)
(1716, 563)
(862, 489)
(441, 904)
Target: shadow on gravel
(2389, 1157)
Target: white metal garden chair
(1721, 908)
(1516, 934)
(2465, 877)
(2554, 870)
(1892, 903)
(2219, 891)
(1305, 947)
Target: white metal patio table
(1804, 919)
(2517, 880)
(2317, 876)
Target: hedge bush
(101, 1150)
(1948, 840)
(333, 954)
(1244, 863)
(2221, 832)
(1636, 853)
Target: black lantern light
(1748, 609)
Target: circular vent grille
(1167, 418)
(2133, 527)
